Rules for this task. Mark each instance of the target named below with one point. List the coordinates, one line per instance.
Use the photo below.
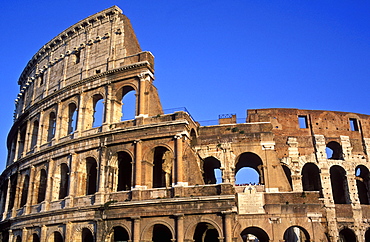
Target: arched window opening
(249, 169)
(362, 183)
(205, 232)
(347, 235)
(311, 180)
(42, 186)
(98, 111)
(21, 143)
(76, 57)
(18, 239)
(193, 138)
(254, 234)
(288, 175)
(161, 233)
(91, 172)
(119, 235)
(128, 103)
(211, 166)
(51, 126)
(296, 234)
(4, 190)
(72, 118)
(35, 132)
(64, 181)
(339, 185)
(334, 151)
(35, 238)
(13, 189)
(367, 235)
(24, 194)
(87, 236)
(57, 237)
(124, 171)
(162, 169)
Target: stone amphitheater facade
(72, 177)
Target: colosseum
(77, 171)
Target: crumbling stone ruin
(72, 176)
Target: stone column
(179, 162)
(136, 229)
(27, 140)
(30, 190)
(43, 233)
(41, 131)
(11, 235)
(68, 232)
(73, 166)
(24, 235)
(59, 122)
(49, 185)
(142, 85)
(138, 167)
(179, 227)
(227, 225)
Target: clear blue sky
(216, 57)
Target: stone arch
(22, 140)
(124, 170)
(42, 186)
(91, 118)
(250, 160)
(18, 238)
(347, 235)
(334, 151)
(126, 91)
(118, 233)
(55, 236)
(363, 184)
(110, 234)
(64, 180)
(162, 157)
(193, 137)
(51, 125)
(205, 232)
(87, 235)
(35, 133)
(296, 233)
(311, 180)
(210, 165)
(288, 175)
(339, 185)
(34, 235)
(190, 230)
(25, 188)
(148, 233)
(253, 232)
(35, 238)
(91, 176)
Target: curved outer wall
(75, 176)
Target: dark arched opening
(58, 237)
(295, 234)
(91, 173)
(254, 234)
(87, 236)
(362, 182)
(42, 186)
(13, 189)
(18, 239)
(35, 238)
(311, 180)
(288, 175)
(339, 185)
(4, 190)
(210, 166)
(205, 232)
(347, 235)
(334, 151)
(124, 171)
(161, 233)
(64, 181)
(249, 160)
(22, 139)
(119, 235)
(367, 235)
(24, 194)
(162, 169)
